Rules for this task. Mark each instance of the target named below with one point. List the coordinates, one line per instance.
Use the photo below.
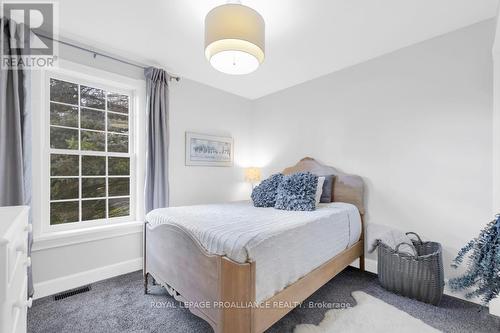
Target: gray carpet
(119, 305)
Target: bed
(242, 268)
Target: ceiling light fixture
(234, 38)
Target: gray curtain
(15, 131)
(156, 190)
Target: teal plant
(482, 277)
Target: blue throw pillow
(264, 195)
(297, 192)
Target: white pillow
(319, 189)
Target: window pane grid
(96, 198)
(79, 157)
(92, 130)
(111, 132)
(91, 108)
(65, 127)
(66, 200)
(90, 176)
(63, 115)
(107, 162)
(65, 104)
(69, 152)
(115, 112)
(95, 201)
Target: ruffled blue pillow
(264, 195)
(297, 192)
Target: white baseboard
(370, 265)
(494, 306)
(58, 285)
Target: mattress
(285, 245)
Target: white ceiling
(305, 39)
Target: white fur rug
(369, 315)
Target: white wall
(496, 120)
(495, 304)
(66, 267)
(199, 108)
(415, 124)
(64, 262)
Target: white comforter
(285, 245)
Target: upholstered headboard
(346, 188)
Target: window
(90, 152)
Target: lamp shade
(234, 38)
(252, 175)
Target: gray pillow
(264, 194)
(297, 192)
(326, 196)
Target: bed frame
(222, 291)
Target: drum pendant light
(234, 38)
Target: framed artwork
(208, 150)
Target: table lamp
(252, 175)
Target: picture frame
(208, 150)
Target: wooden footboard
(221, 291)
(176, 261)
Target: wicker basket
(420, 277)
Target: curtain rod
(97, 53)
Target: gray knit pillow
(326, 195)
(264, 195)
(297, 192)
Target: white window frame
(44, 232)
